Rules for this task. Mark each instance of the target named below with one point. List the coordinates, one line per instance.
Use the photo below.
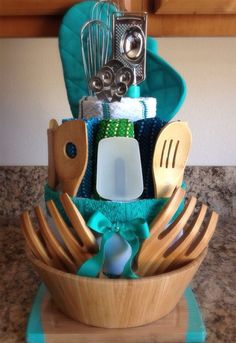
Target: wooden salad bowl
(116, 303)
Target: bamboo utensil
(68, 256)
(197, 245)
(170, 157)
(34, 241)
(85, 234)
(70, 150)
(57, 252)
(52, 177)
(70, 241)
(164, 249)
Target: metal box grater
(122, 25)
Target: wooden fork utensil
(85, 234)
(44, 245)
(170, 156)
(70, 151)
(164, 249)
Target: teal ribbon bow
(132, 231)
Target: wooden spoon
(170, 157)
(70, 152)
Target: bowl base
(47, 324)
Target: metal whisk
(103, 10)
(96, 38)
(96, 46)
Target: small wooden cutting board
(48, 325)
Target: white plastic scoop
(119, 178)
(119, 170)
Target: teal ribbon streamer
(132, 231)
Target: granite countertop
(214, 285)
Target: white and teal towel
(129, 108)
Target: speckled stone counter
(214, 285)
(22, 188)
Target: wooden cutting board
(47, 324)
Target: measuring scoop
(119, 171)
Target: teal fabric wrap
(114, 211)
(132, 231)
(162, 81)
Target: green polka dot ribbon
(115, 128)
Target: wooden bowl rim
(145, 279)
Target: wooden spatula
(52, 177)
(71, 154)
(170, 156)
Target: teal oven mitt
(162, 81)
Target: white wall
(32, 91)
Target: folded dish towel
(115, 128)
(129, 108)
(146, 132)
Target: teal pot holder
(162, 81)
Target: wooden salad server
(45, 246)
(177, 257)
(34, 241)
(159, 242)
(58, 253)
(165, 250)
(72, 244)
(70, 150)
(170, 156)
(85, 234)
(52, 177)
